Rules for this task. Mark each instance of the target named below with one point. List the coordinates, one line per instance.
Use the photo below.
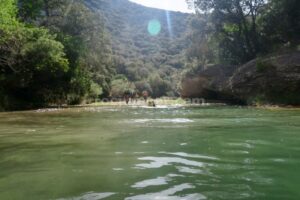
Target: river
(165, 153)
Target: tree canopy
(56, 52)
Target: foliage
(240, 30)
(8, 12)
(138, 54)
(280, 24)
(234, 27)
(120, 86)
(67, 60)
(95, 91)
(33, 65)
(159, 86)
(68, 51)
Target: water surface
(150, 153)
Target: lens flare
(154, 27)
(169, 22)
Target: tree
(119, 86)
(33, 65)
(235, 27)
(159, 86)
(202, 50)
(82, 33)
(280, 23)
(8, 12)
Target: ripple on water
(245, 145)
(141, 152)
(156, 181)
(235, 152)
(158, 162)
(90, 196)
(189, 170)
(256, 178)
(175, 120)
(152, 182)
(169, 194)
(118, 169)
(182, 154)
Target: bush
(120, 86)
(34, 66)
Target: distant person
(127, 95)
(134, 96)
(145, 95)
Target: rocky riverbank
(273, 80)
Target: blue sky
(174, 5)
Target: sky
(174, 5)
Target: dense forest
(52, 52)
(151, 62)
(55, 52)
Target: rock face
(271, 80)
(210, 84)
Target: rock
(210, 84)
(271, 80)
(268, 80)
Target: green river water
(165, 153)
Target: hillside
(139, 54)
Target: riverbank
(160, 103)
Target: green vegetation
(55, 52)
(237, 31)
(248, 34)
(148, 49)
(68, 52)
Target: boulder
(269, 80)
(210, 84)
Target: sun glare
(172, 5)
(154, 27)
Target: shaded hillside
(140, 55)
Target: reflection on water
(187, 155)
(118, 169)
(139, 153)
(189, 170)
(177, 120)
(183, 165)
(158, 162)
(151, 182)
(91, 196)
(169, 194)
